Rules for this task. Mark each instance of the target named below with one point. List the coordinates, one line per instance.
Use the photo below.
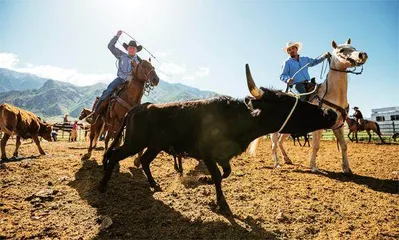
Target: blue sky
(204, 44)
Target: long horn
(253, 89)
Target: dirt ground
(56, 196)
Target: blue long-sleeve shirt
(125, 67)
(291, 66)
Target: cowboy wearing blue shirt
(296, 62)
(125, 71)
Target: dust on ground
(56, 196)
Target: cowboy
(295, 63)
(125, 72)
(66, 118)
(358, 117)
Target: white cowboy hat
(291, 44)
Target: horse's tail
(378, 128)
(253, 146)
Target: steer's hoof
(102, 188)
(137, 162)
(205, 180)
(223, 208)
(86, 157)
(156, 187)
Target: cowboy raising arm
(125, 70)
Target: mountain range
(49, 98)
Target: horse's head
(84, 113)
(345, 56)
(144, 71)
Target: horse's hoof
(314, 170)
(277, 166)
(348, 172)
(288, 161)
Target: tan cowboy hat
(291, 44)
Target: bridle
(148, 86)
(349, 59)
(321, 100)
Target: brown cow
(16, 121)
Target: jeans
(109, 90)
(300, 88)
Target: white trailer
(387, 118)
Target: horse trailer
(387, 118)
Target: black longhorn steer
(214, 130)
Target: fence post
(393, 126)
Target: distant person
(358, 117)
(54, 135)
(125, 71)
(74, 133)
(66, 118)
(296, 62)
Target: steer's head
(45, 131)
(273, 107)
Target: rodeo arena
(296, 163)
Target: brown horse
(127, 97)
(368, 125)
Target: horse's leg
(3, 146)
(274, 138)
(368, 132)
(339, 134)
(93, 139)
(299, 142)
(349, 135)
(315, 148)
(307, 140)
(355, 133)
(376, 129)
(287, 160)
(17, 145)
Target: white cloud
(169, 71)
(11, 61)
(8, 60)
(201, 72)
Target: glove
(326, 55)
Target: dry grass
(267, 203)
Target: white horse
(331, 93)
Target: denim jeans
(109, 90)
(300, 88)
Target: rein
(346, 71)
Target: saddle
(310, 86)
(115, 98)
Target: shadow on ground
(376, 184)
(136, 214)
